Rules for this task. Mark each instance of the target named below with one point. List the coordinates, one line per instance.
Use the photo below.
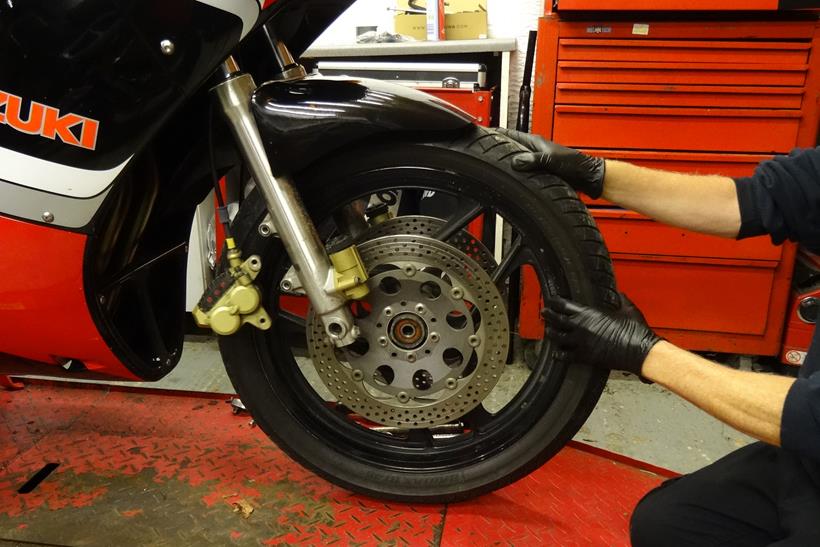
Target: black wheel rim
(486, 433)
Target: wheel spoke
(511, 261)
(477, 418)
(422, 437)
(459, 220)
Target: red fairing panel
(43, 313)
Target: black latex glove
(584, 173)
(618, 340)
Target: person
(767, 493)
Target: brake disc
(428, 226)
(433, 342)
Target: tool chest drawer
(683, 51)
(728, 165)
(623, 72)
(726, 130)
(627, 232)
(708, 297)
(680, 95)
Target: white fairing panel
(54, 177)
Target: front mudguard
(303, 120)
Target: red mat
(138, 468)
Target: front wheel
(432, 403)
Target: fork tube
(298, 234)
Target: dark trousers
(758, 495)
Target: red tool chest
(703, 93)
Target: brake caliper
(232, 299)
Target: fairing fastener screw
(403, 397)
(474, 341)
(167, 47)
(456, 293)
(383, 342)
(358, 375)
(451, 383)
(48, 217)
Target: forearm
(749, 402)
(706, 204)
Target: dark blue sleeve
(800, 427)
(782, 199)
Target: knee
(649, 525)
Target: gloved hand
(584, 173)
(618, 340)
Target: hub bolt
(388, 311)
(434, 337)
(474, 341)
(420, 309)
(403, 397)
(457, 293)
(451, 383)
(411, 357)
(358, 375)
(410, 270)
(383, 341)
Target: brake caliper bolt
(474, 341)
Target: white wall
(506, 18)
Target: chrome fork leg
(298, 234)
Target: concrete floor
(641, 421)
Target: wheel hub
(433, 345)
(407, 331)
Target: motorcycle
(362, 317)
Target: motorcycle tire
(493, 449)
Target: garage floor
(142, 467)
(147, 466)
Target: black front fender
(305, 119)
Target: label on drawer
(599, 30)
(640, 29)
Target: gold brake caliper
(232, 299)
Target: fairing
(302, 120)
(43, 313)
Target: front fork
(327, 287)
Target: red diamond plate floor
(149, 468)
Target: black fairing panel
(101, 59)
(303, 120)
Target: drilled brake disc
(434, 336)
(421, 225)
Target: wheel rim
(422, 450)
